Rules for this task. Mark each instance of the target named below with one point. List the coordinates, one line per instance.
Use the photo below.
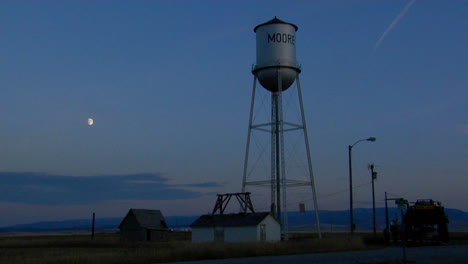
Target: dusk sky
(168, 84)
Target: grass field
(107, 248)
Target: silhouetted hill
(109, 224)
(363, 218)
(330, 221)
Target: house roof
(150, 219)
(242, 219)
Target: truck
(425, 220)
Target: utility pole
(403, 205)
(373, 177)
(397, 201)
(387, 226)
(92, 227)
(351, 209)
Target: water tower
(276, 69)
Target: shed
(144, 225)
(243, 227)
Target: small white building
(243, 227)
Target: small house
(144, 225)
(242, 227)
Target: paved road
(419, 255)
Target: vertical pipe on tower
(278, 139)
(277, 157)
(273, 158)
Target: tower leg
(309, 160)
(246, 160)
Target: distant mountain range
(329, 220)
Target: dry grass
(108, 249)
(387, 262)
(458, 238)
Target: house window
(262, 232)
(219, 234)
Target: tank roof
(275, 21)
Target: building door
(219, 234)
(148, 234)
(262, 232)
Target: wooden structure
(144, 225)
(242, 198)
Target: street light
(350, 147)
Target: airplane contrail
(394, 22)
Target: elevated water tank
(276, 54)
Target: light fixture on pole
(350, 148)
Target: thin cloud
(463, 128)
(41, 188)
(201, 185)
(394, 23)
